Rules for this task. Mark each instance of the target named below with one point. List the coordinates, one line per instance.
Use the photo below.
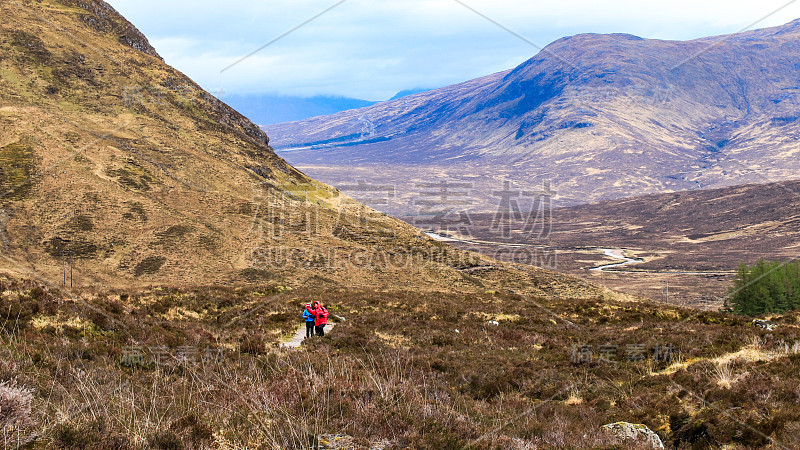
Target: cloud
(373, 48)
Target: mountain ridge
(676, 115)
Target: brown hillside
(693, 240)
(112, 158)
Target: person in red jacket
(321, 314)
(314, 314)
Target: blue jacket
(308, 316)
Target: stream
(616, 254)
(445, 238)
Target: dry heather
(202, 368)
(15, 405)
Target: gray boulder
(634, 432)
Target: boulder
(634, 432)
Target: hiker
(321, 318)
(310, 318)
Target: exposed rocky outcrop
(103, 17)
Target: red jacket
(321, 314)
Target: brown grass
(394, 372)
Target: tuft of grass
(724, 375)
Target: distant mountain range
(408, 92)
(270, 109)
(600, 116)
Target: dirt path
(300, 336)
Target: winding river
(616, 254)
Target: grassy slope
(124, 142)
(394, 372)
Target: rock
(634, 432)
(769, 326)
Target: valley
(603, 121)
(689, 243)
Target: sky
(371, 49)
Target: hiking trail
(298, 338)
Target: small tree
(765, 288)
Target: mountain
(408, 92)
(600, 116)
(118, 170)
(271, 109)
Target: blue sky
(371, 49)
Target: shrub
(15, 405)
(165, 440)
(149, 265)
(69, 435)
(17, 313)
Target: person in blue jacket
(310, 317)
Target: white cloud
(374, 48)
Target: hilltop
(600, 116)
